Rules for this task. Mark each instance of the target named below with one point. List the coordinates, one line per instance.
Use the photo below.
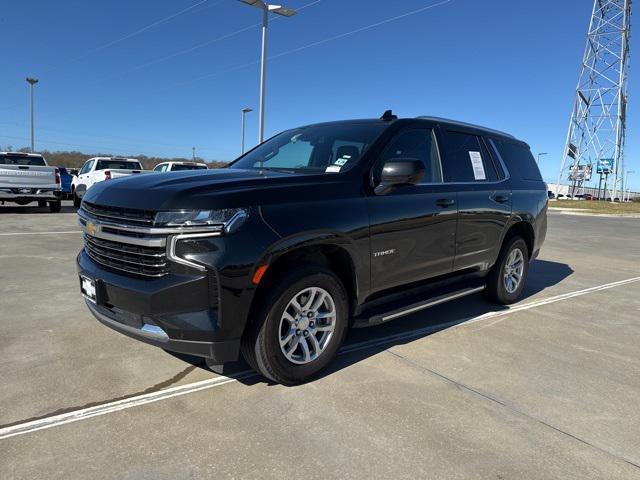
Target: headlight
(198, 218)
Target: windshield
(329, 148)
(117, 165)
(178, 167)
(22, 160)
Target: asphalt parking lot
(548, 388)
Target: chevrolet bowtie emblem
(92, 228)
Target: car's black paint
(409, 234)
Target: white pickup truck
(99, 169)
(26, 178)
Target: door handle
(445, 202)
(500, 198)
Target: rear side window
(419, 144)
(467, 159)
(519, 160)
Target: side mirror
(398, 172)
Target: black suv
(318, 229)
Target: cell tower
(595, 141)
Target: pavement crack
(154, 388)
(464, 386)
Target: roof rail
(465, 124)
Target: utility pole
(193, 151)
(32, 81)
(243, 113)
(266, 9)
(539, 155)
(598, 121)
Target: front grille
(124, 216)
(125, 257)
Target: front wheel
(76, 200)
(506, 280)
(300, 326)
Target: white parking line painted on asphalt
(38, 233)
(116, 406)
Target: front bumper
(177, 312)
(29, 194)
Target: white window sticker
(478, 166)
(343, 160)
(332, 169)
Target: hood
(213, 189)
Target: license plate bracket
(88, 288)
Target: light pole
(193, 151)
(539, 155)
(243, 113)
(266, 9)
(626, 182)
(32, 81)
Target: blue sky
(107, 86)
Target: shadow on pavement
(34, 209)
(366, 342)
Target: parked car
(99, 169)
(588, 196)
(73, 171)
(65, 183)
(550, 195)
(26, 178)
(320, 228)
(179, 166)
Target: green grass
(597, 207)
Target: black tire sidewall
(269, 356)
(501, 293)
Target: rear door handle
(445, 202)
(500, 198)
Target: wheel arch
(523, 229)
(332, 256)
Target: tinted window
(63, 171)
(22, 160)
(327, 148)
(86, 167)
(117, 165)
(466, 159)
(178, 167)
(421, 145)
(519, 160)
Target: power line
(194, 47)
(311, 45)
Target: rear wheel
(300, 326)
(507, 278)
(54, 207)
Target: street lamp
(266, 9)
(539, 155)
(32, 81)
(243, 113)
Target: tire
(499, 288)
(76, 200)
(54, 207)
(261, 343)
(42, 203)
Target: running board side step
(387, 316)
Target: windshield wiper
(276, 169)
